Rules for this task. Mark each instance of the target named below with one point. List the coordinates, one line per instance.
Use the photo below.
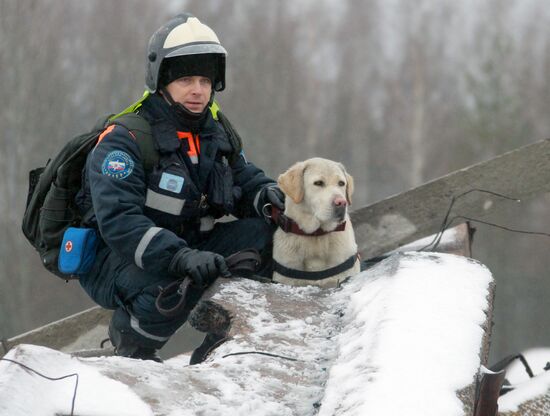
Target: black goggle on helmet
(184, 35)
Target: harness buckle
(203, 203)
(266, 210)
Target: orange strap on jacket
(105, 133)
(110, 129)
(194, 145)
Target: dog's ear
(349, 187)
(292, 182)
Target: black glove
(203, 267)
(273, 195)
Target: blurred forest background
(400, 91)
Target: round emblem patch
(68, 246)
(118, 164)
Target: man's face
(193, 92)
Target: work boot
(126, 344)
(148, 354)
(137, 352)
(209, 344)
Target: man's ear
(292, 182)
(349, 187)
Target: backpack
(50, 207)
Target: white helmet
(184, 44)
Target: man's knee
(141, 322)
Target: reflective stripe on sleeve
(143, 244)
(164, 203)
(256, 200)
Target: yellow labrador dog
(315, 243)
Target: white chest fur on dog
(318, 194)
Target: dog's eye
(341, 183)
(319, 183)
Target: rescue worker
(159, 227)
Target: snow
(448, 237)
(400, 338)
(537, 358)
(526, 388)
(25, 393)
(411, 338)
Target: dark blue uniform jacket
(146, 219)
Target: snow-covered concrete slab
(87, 329)
(23, 392)
(411, 338)
(530, 396)
(401, 338)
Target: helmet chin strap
(182, 112)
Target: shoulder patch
(118, 164)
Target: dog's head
(319, 186)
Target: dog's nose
(340, 206)
(340, 202)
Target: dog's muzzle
(340, 208)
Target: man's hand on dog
(275, 197)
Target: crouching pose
(157, 225)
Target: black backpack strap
(234, 138)
(141, 129)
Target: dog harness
(317, 275)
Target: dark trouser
(117, 284)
